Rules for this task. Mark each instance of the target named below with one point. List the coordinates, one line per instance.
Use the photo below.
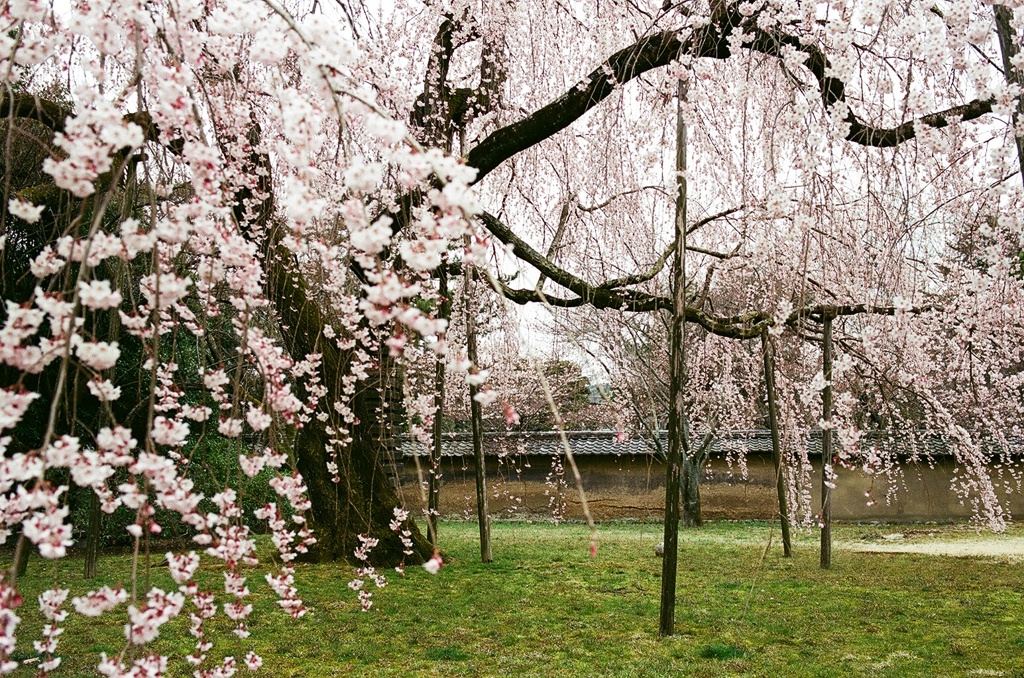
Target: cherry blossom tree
(234, 141)
(831, 229)
(299, 174)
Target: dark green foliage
(214, 467)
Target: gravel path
(982, 546)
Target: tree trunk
(826, 447)
(21, 551)
(693, 465)
(691, 494)
(677, 376)
(364, 500)
(773, 423)
(476, 412)
(1009, 46)
(92, 537)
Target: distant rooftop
(596, 443)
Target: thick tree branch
(430, 110)
(661, 49)
(1009, 48)
(441, 109)
(746, 325)
(26, 106)
(53, 115)
(639, 278)
(833, 91)
(650, 52)
(599, 297)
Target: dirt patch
(999, 547)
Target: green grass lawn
(545, 608)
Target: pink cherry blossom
(104, 389)
(95, 603)
(169, 432)
(97, 294)
(25, 210)
(99, 355)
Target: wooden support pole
(677, 377)
(434, 480)
(476, 412)
(826, 446)
(773, 423)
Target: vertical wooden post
(476, 412)
(773, 423)
(826, 445)
(677, 376)
(433, 482)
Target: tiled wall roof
(592, 443)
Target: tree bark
(1009, 47)
(826, 446)
(677, 376)
(693, 465)
(92, 537)
(773, 423)
(364, 500)
(692, 516)
(21, 551)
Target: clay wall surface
(632, 487)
